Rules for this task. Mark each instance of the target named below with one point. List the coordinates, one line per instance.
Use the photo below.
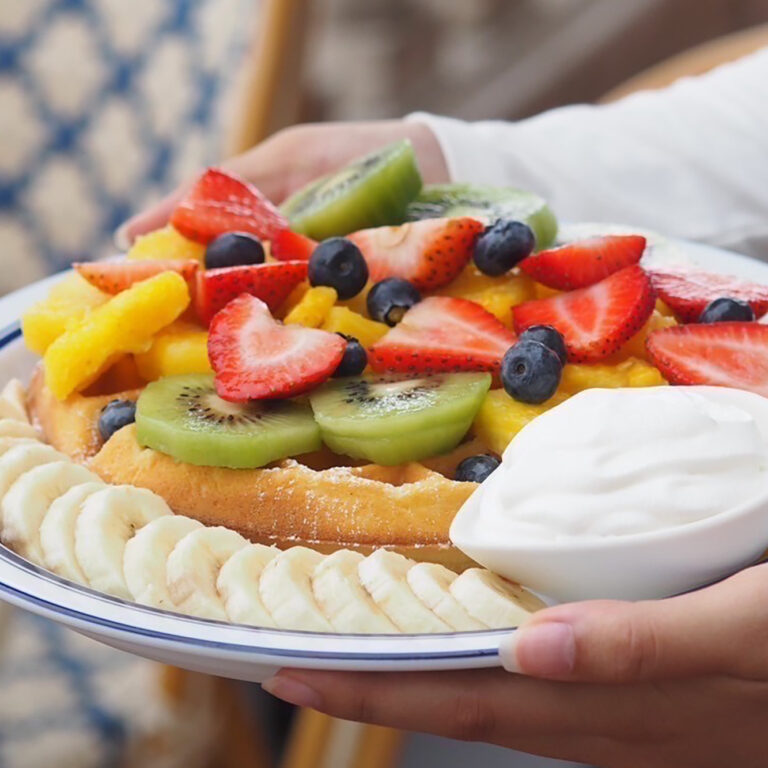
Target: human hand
(676, 683)
(292, 157)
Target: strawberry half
(687, 292)
(256, 358)
(220, 202)
(584, 263)
(291, 246)
(271, 282)
(720, 354)
(427, 253)
(594, 321)
(116, 276)
(443, 334)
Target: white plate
(240, 652)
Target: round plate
(249, 653)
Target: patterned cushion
(104, 104)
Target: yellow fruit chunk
(343, 320)
(496, 294)
(663, 309)
(359, 303)
(294, 297)
(68, 302)
(313, 308)
(628, 373)
(125, 324)
(635, 347)
(166, 243)
(501, 417)
(180, 348)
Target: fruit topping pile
(379, 320)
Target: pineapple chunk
(496, 294)
(313, 307)
(343, 320)
(166, 243)
(68, 302)
(635, 347)
(628, 373)
(501, 417)
(124, 324)
(294, 297)
(180, 348)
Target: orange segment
(124, 324)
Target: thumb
(718, 630)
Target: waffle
(309, 501)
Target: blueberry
(234, 249)
(114, 416)
(503, 245)
(475, 469)
(390, 299)
(531, 372)
(339, 264)
(355, 358)
(724, 309)
(550, 337)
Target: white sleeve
(689, 161)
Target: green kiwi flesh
(446, 200)
(183, 417)
(395, 419)
(370, 192)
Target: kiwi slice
(438, 200)
(394, 419)
(370, 192)
(185, 418)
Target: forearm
(690, 161)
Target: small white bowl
(636, 566)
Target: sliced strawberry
(443, 334)
(220, 202)
(721, 354)
(116, 276)
(427, 253)
(256, 358)
(687, 292)
(270, 282)
(584, 263)
(594, 321)
(291, 246)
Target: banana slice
(13, 402)
(16, 428)
(25, 505)
(431, 583)
(6, 443)
(286, 591)
(383, 574)
(57, 532)
(499, 603)
(193, 568)
(238, 585)
(107, 520)
(342, 598)
(146, 556)
(23, 457)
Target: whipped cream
(624, 461)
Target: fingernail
(541, 650)
(120, 238)
(291, 690)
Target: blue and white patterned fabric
(70, 702)
(104, 104)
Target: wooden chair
(695, 61)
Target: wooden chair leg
(272, 74)
(320, 741)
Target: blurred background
(107, 104)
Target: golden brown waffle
(311, 501)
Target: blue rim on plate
(471, 645)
